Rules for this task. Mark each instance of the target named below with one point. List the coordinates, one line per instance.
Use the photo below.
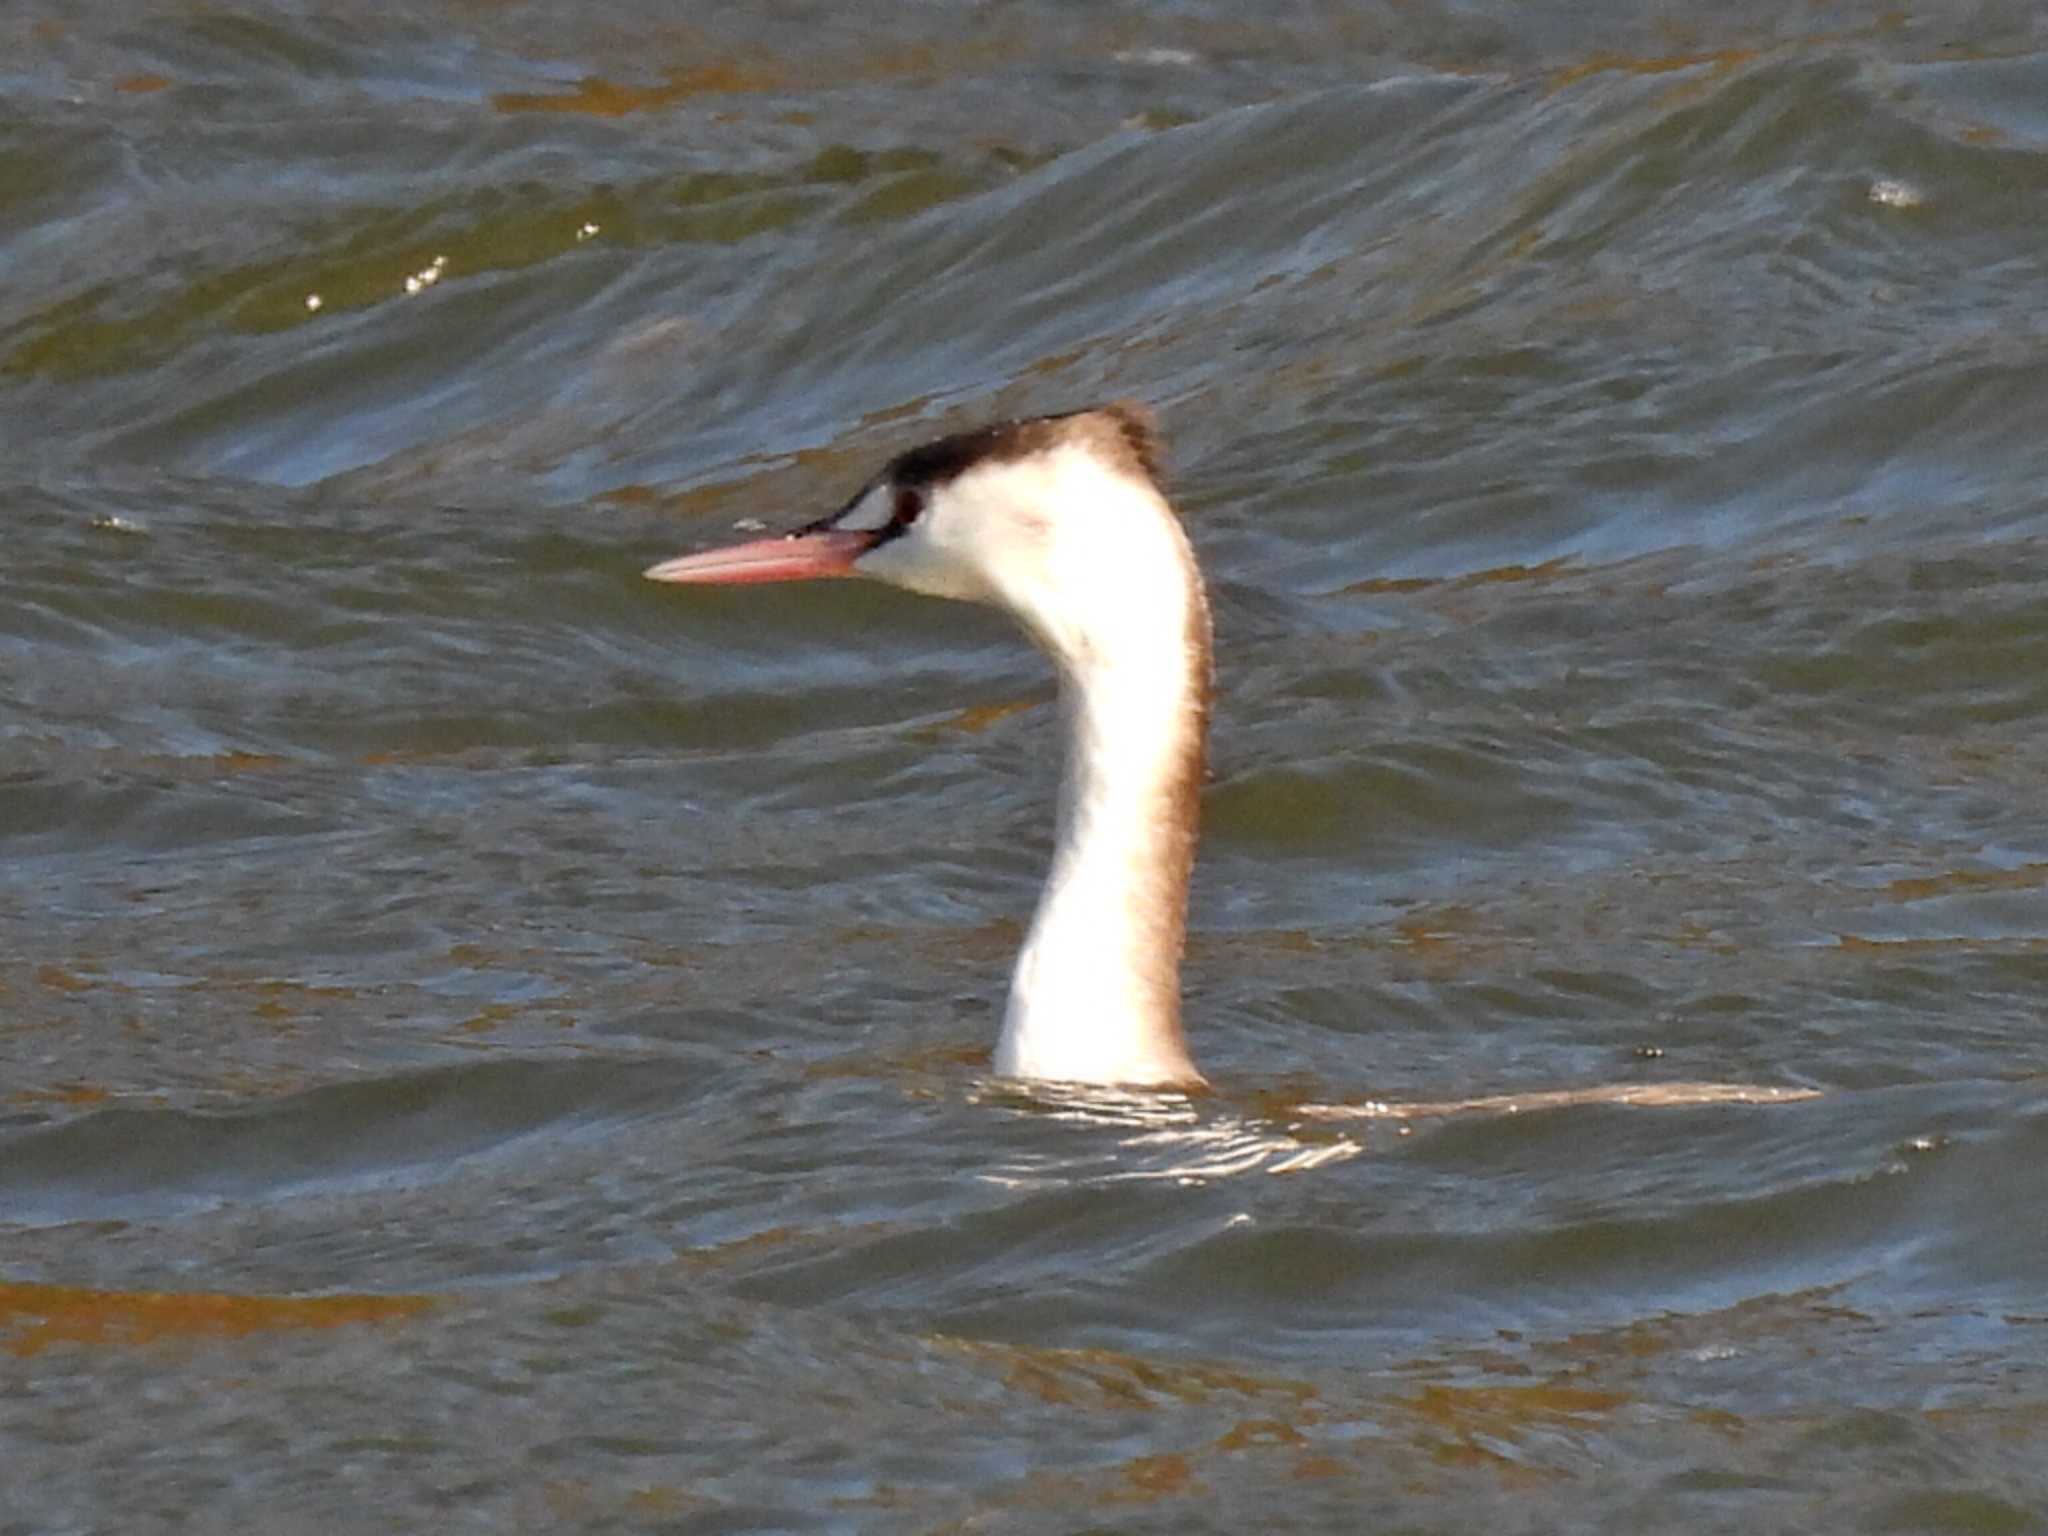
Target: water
(492, 1043)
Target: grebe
(1061, 520)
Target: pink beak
(790, 557)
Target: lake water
(487, 1042)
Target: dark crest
(1122, 432)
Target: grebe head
(1032, 515)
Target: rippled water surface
(490, 1043)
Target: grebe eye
(909, 507)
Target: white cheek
(914, 562)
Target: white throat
(1096, 993)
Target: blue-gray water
(489, 1043)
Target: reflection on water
(1171, 1135)
(1157, 1136)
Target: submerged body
(1063, 522)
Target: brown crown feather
(1123, 432)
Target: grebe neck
(1096, 993)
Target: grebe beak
(798, 556)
